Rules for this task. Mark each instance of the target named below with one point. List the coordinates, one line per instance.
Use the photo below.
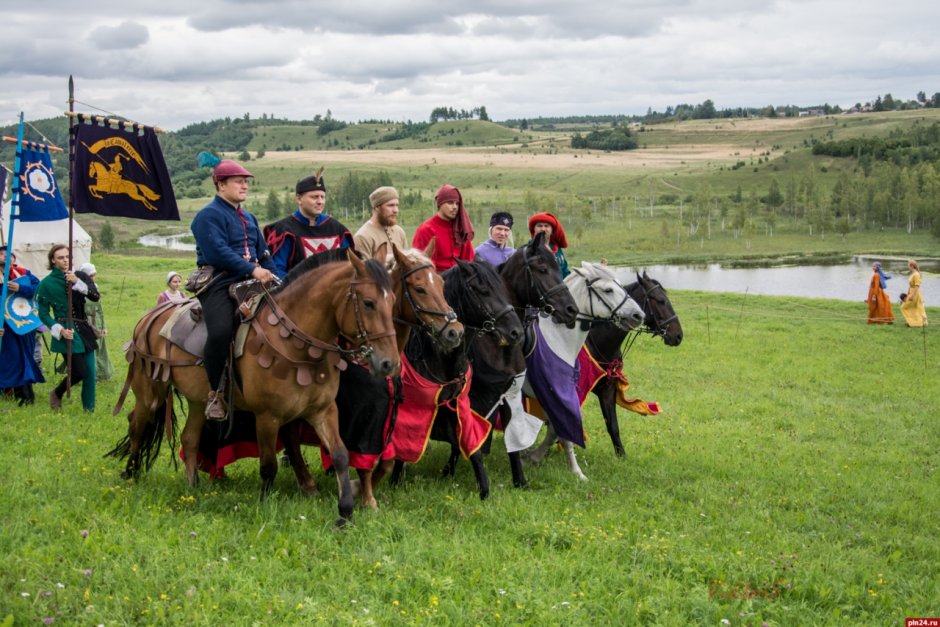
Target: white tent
(32, 241)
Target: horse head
(533, 279)
(600, 297)
(661, 318)
(365, 316)
(420, 302)
(480, 299)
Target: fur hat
(382, 195)
(312, 183)
(501, 218)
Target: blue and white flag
(39, 197)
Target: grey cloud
(124, 36)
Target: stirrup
(215, 407)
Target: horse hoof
(343, 523)
(522, 485)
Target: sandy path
(665, 158)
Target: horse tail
(152, 439)
(148, 193)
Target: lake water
(841, 282)
(173, 242)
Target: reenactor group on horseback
(303, 332)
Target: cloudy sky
(173, 62)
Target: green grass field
(791, 480)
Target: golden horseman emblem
(108, 176)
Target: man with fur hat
(496, 250)
(554, 236)
(382, 227)
(308, 230)
(229, 240)
(450, 229)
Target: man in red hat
(555, 236)
(229, 240)
(450, 228)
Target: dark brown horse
(289, 370)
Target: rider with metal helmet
(229, 240)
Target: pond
(172, 242)
(841, 282)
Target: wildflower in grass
(87, 572)
(84, 533)
(725, 621)
(48, 620)
(24, 594)
(60, 585)
(192, 534)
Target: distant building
(812, 112)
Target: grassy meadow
(791, 480)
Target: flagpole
(68, 288)
(14, 205)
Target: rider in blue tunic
(229, 240)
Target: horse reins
(543, 305)
(588, 321)
(449, 316)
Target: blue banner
(39, 197)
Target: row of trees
(449, 113)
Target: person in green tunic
(52, 296)
(104, 369)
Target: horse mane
(597, 270)
(416, 256)
(458, 293)
(376, 270)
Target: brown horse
(420, 305)
(289, 369)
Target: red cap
(227, 168)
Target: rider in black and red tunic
(308, 230)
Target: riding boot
(215, 406)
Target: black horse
(534, 285)
(493, 335)
(605, 342)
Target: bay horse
(493, 333)
(295, 336)
(605, 344)
(367, 405)
(551, 367)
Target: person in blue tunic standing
(18, 368)
(228, 240)
(53, 295)
(309, 230)
(496, 250)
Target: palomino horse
(494, 334)
(289, 370)
(549, 376)
(605, 343)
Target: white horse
(600, 297)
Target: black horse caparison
(606, 344)
(493, 334)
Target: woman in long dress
(879, 303)
(915, 315)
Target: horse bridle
(544, 306)
(589, 320)
(449, 316)
(491, 318)
(658, 328)
(363, 340)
